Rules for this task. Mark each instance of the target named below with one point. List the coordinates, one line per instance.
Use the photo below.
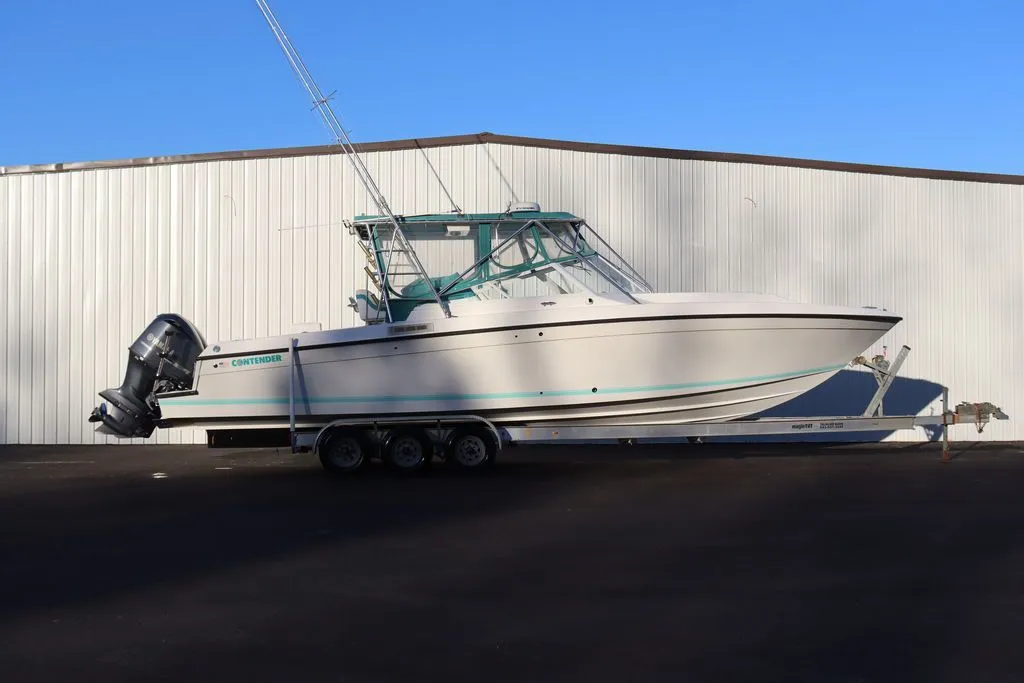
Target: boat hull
(601, 367)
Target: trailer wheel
(471, 448)
(407, 450)
(344, 451)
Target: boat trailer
(472, 441)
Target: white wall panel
(6, 302)
(251, 247)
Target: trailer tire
(470, 448)
(407, 450)
(344, 451)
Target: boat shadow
(845, 395)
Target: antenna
(320, 103)
(444, 188)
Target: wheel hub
(344, 453)
(470, 451)
(408, 452)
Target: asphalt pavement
(652, 563)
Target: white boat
(545, 325)
(599, 347)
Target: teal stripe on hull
(189, 401)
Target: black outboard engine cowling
(162, 359)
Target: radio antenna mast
(399, 243)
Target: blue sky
(933, 84)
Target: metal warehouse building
(252, 243)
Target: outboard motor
(162, 359)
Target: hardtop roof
(461, 218)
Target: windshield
(504, 258)
(536, 258)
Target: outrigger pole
(321, 104)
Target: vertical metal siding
(253, 247)
(6, 302)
